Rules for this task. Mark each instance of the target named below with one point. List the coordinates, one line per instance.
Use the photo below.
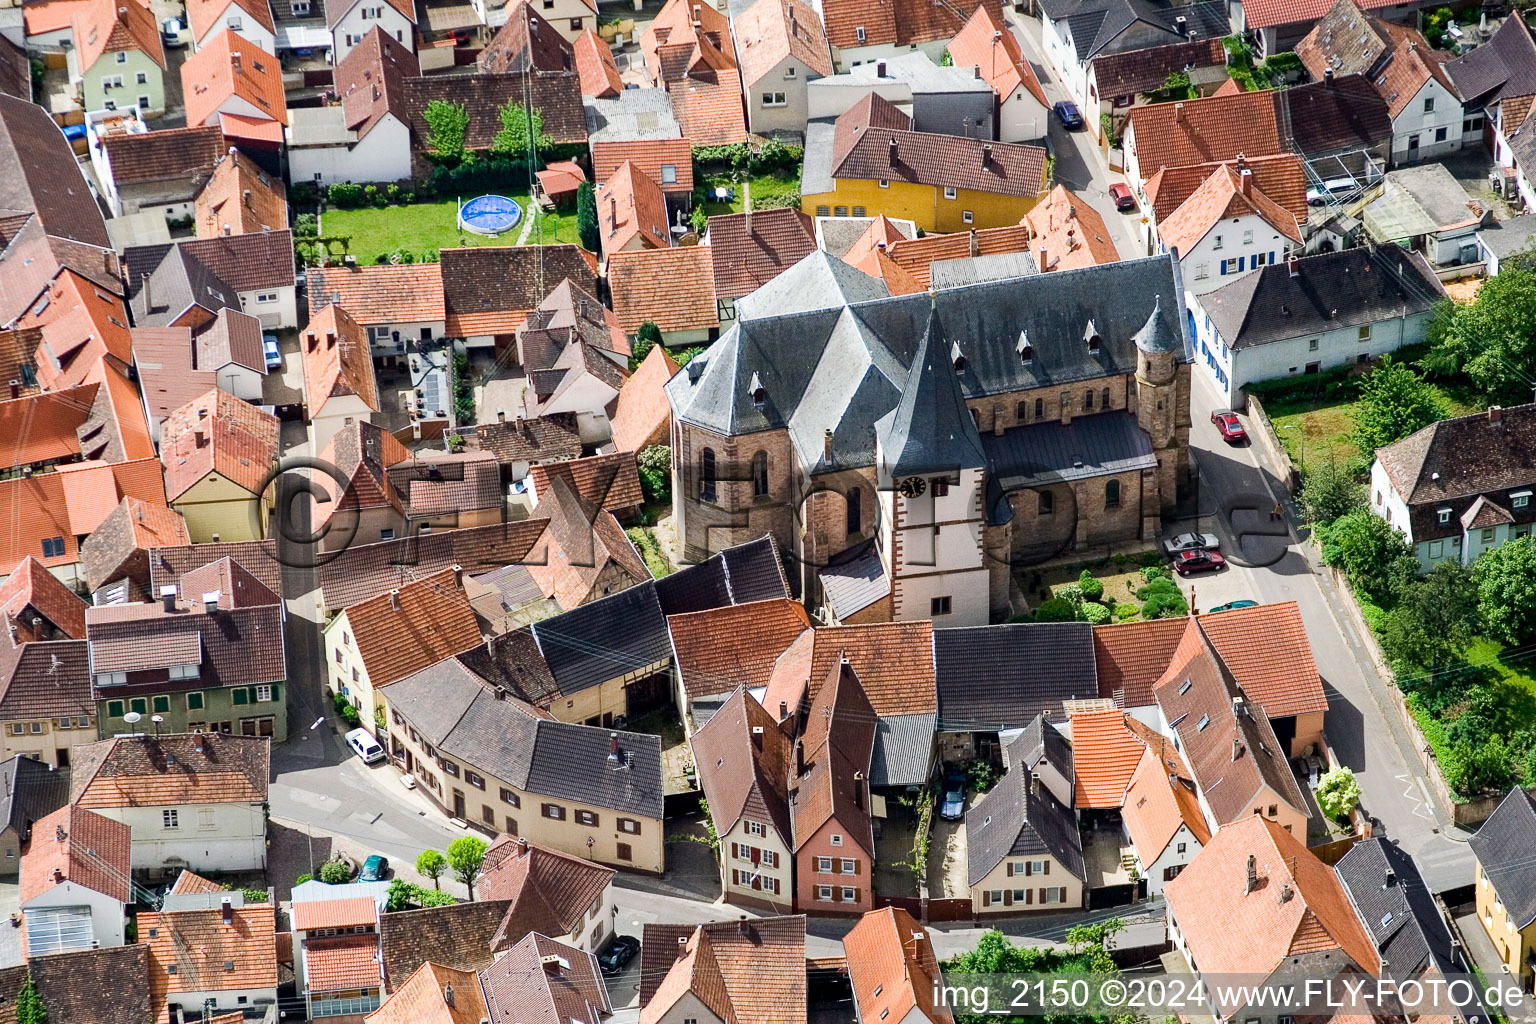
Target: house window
(63, 723)
(848, 894)
(707, 474)
(849, 867)
(142, 78)
(854, 520)
(824, 865)
(575, 24)
(774, 99)
(1217, 243)
(754, 828)
(824, 893)
(623, 851)
(836, 839)
(859, 211)
(1047, 503)
(885, 183)
(629, 825)
(473, 779)
(939, 606)
(1488, 536)
(114, 709)
(487, 815)
(195, 700)
(669, 174)
(1104, 398)
(859, 33)
(1429, 104)
(1365, 332)
(121, 56)
(53, 547)
(1437, 549)
(1039, 407)
(1520, 499)
(162, 705)
(586, 818)
(139, 705)
(450, 768)
(509, 797)
(37, 727)
(1248, 237)
(1202, 271)
(1111, 493)
(263, 694)
(760, 475)
(387, 533)
(169, 818)
(554, 812)
(967, 217)
(1440, 134)
(1232, 266)
(949, 192)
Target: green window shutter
(162, 705)
(114, 709)
(240, 695)
(277, 693)
(138, 704)
(195, 701)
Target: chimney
(15, 389)
(696, 16)
(747, 218)
(501, 415)
(1293, 266)
(234, 60)
(1328, 78)
(197, 743)
(394, 600)
(893, 152)
(1286, 892)
(826, 444)
(1044, 261)
(783, 710)
(757, 736)
(974, 244)
(458, 577)
(58, 833)
(1252, 881)
(1237, 747)
(246, 195)
(858, 790)
(1178, 112)
(168, 598)
(880, 69)
(1495, 414)
(522, 846)
(976, 72)
(501, 693)
(613, 748)
(227, 911)
(741, 925)
(211, 602)
(613, 210)
(986, 154)
(1390, 880)
(58, 875)
(1247, 179)
(448, 995)
(199, 437)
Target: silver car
(1191, 542)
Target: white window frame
(949, 192)
(170, 818)
(850, 894)
(848, 866)
(824, 894)
(836, 839)
(824, 865)
(967, 217)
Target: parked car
(1230, 427)
(953, 806)
(271, 351)
(1332, 189)
(1067, 113)
(1191, 542)
(375, 869)
(1232, 606)
(1187, 563)
(365, 746)
(620, 950)
(1124, 198)
(170, 34)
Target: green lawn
(1317, 429)
(1492, 667)
(768, 192)
(434, 225)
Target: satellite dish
(132, 717)
(157, 719)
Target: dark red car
(1121, 194)
(1230, 426)
(1187, 563)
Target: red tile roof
(203, 15)
(737, 645)
(43, 428)
(595, 64)
(230, 66)
(1068, 232)
(674, 28)
(1204, 131)
(648, 155)
(916, 255)
(337, 360)
(108, 26)
(894, 662)
(631, 210)
(745, 260)
(611, 481)
(744, 760)
(1267, 651)
(386, 294)
(1161, 798)
(80, 322)
(1220, 198)
(188, 882)
(988, 43)
(371, 81)
(893, 968)
(1105, 753)
(421, 999)
(76, 845)
(207, 954)
(343, 962)
(757, 969)
(709, 110)
(429, 620)
(672, 288)
(1282, 178)
(549, 891)
(1231, 929)
(341, 913)
(1130, 657)
(51, 15)
(31, 586)
(240, 199)
(124, 772)
(642, 415)
(217, 433)
(772, 31)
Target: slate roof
(760, 966)
(1146, 68)
(904, 750)
(1017, 819)
(177, 283)
(1050, 452)
(1039, 741)
(1501, 68)
(29, 791)
(1113, 26)
(851, 586)
(1332, 291)
(841, 368)
(458, 937)
(931, 430)
(743, 759)
(734, 575)
(1507, 237)
(633, 625)
(556, 95)
(556, 759)
(1502, 847)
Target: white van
(365, 745)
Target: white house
(75, 882)
(339, 382)
(992, 51)
(210, 950)
(367, 136)
(569, 17)
(1311, 314)
(1162, 816)
(191, 800)
(1227, 227)
(350, 22)
(780, 46)
(251, 18)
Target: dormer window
(1091, 335)
(860, 33)
(1025, 349)
(758, 392)
(1443, 514)
(956, 356)
(1520, 499)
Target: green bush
(1069, 592)
(403, 895)
(1160, 586)
(647, 337)
(350, 716)
(1125, 611)
(306, 225)
(303, 878)
(1095, 614)
(335, 873)
(655, 466)
(345, 196)
(1156, 572)
(1091, 586)
(1164, 605)
(1055, 609)
(339, 702)
(255, 895)
(1152, 559)
(980, 775)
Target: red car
(1230, 426)
(1121, 194)
(1187, 563)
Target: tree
(1330, 491)
(29, 1008)
(1394, 402)
(1091, 586)
(447, 126)
(466, 854)
(1506, 588)
(1338, 793)
(514, 137)
(586, 217)
(432, 864)
(647, 337)
(1086, 953)
(1492, 339)
(655, 465)
(1362, 545)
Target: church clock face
(913, 486)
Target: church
(911, 453)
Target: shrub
(335, 873)
(345, 196)
(1069, 592)
(1095, 614)
(1362, 545)
(655, 465)
(303, 878)
(306, 225)
(1158, 587)
(980, 775)
(1152, 559)
(1156, 572)
(405, 895)
(1330, 491)
(1125, 611)
(1055, 610)
(255, 895)
(350, 716)
(1164, 605)
(647, 337)
(1338, 793)
(1092, 587)
(338, 703)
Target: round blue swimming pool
(490, 215)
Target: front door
(61, 754)
(458, 803)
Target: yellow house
(218, 454)
(871, 162)
(1021, 814)
(490, 760)
(1506, 887)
